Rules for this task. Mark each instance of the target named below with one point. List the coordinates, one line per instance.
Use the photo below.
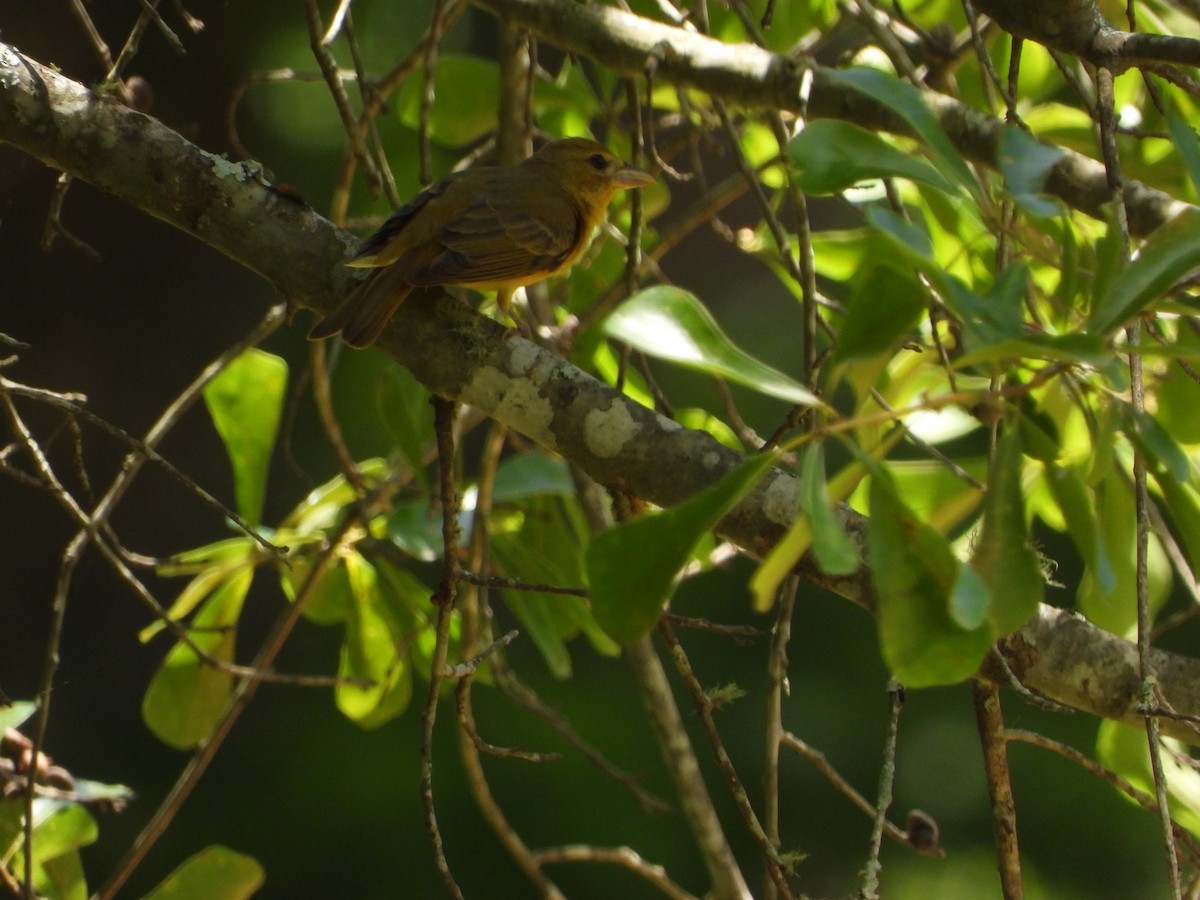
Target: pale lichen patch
(607, 431)
(513, 401)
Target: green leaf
(1074, 499)
(1123, 749)
(13, 716)
(1003, 555)
(60, 829)
(836, 554)
(245, 402)
(541, 542)
(1170, 254)
(467, 89)
(833, 155)
(885, 307)
(404, 408)
(371, 653)
(797, 540)
(1154, 441)
(1025, 162)
(416, 529)
(670, 323)
(533, 474)
(1115, 609)
(186, 697)
(215, 871)
(233, 556)
(912, 242)
(993, 318)
(907, 102)
(1183, 136)
(1183, 506)
(924, 593)
(632, 567)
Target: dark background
(331, 810)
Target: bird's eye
(598, 162)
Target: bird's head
(589, 170)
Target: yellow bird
(492, 229)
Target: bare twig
(242, 694)
(619, 856)
(995, 764)
(444, 413)
(676, 749)
(887, 778)
(704, 709)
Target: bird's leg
(519, 325)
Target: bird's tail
(363, 315)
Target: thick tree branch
(463, 356)
(1079, 28)
(755, 78)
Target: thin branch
(704, 709)
(619, 856)
(990, 720)
(240, 698)
(444, 413)
(677, 752)
(777, 688)
(887, 779)
(817, 758)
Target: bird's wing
(491, 242)
(384, 246)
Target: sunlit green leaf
(60, 830)
(1003, 554)
(670, 323)
(215, 871)
(245, 402)
(923, 595)
(208, 579)
(906, 101)
(370, 654)
(632, 567)
(187, 696)
(1123, 749)
(832, 155)
(1171, 253)
(12, 716)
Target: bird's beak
(628, 177)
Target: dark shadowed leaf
(1170, 254)
(632, 567)
(1003, 554)
(924, 595)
